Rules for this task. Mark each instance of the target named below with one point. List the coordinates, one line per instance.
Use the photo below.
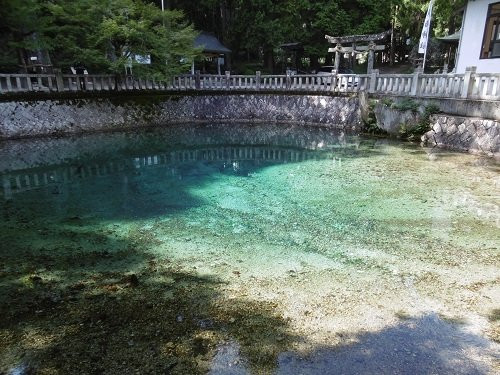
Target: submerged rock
(132, 280)
(206, 323)
(22, 369)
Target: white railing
(485, 86)
(71, 82)
(441, 85)
(27, 82)
(470, 85)
(24, 180)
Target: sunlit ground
(236, 249)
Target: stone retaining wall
(32, 118)
(469, 134)
(48, 117)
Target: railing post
(333, 83)
(468, 81)
(118, 82)
(257, 80)
(228, 80)
(197, 80)
(371, 56)
(373, 81)
(59, 79)
(9, 83)
(28, 83)
(414, 81)
(288, 80)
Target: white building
(480, 40)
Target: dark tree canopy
(253, 29)
(104, 33)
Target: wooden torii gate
(353, 40)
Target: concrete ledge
(485, 109)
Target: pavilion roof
(292, 46)
(453, 38)
(210, 43)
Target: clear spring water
(234, 249)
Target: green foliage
(407, 104)
(254, 29)
(423, 126)
(251, 67)
(131, 28)
(409, 17)
(370, 125)
(19, 23)
(387, 102)
(102, 35)
(431, 109)
(410, 14)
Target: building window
(491, 40)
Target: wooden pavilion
(294, 53)
(213, 51)
(451, 42)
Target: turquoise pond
(247, 249)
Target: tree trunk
(314, 62)
(22, 60)
(225, 16)
(393, 21)
(269, 59)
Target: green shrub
(407, 105)
(423, 126)
(370, 126)
(431, 109)
(387, 102)
(249, 68)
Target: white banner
(424, 37)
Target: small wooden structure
(451, 42)
(357, 44)
(213, 50)
(295, 52)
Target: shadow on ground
(424, 345)
(104, 305)
(109, 307)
